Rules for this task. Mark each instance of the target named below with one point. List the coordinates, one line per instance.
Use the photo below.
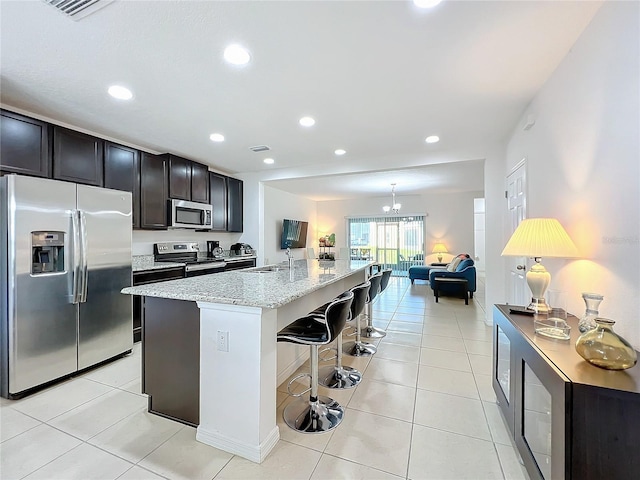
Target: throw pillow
(454, 264)
(467, 262)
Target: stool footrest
(306, 374)
(326, 359)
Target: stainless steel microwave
(185, 214)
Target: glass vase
(588, 320)
(604, 348)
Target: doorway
(517, 204)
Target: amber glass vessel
(606, 349)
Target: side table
(462, 284)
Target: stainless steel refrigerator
(66, 254)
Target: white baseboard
(255, 453)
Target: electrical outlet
(223, 341)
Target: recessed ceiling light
(307, 122)
(340, 151)
(236, 55)
(120, 92)
(426, 3)
(432, 139)
(216, 137)
(268, 161)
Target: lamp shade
(540, 237)
(439, 248)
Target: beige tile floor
(424, 410)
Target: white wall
(449, 220)
(279, 205)
(583, 160)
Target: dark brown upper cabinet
(179, 178)
(25, 145)
(188, 180)
(77, 157)
(153, 191)
(234, 205)
(218, 197)
(199, 182)
(122, 172)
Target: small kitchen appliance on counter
(187, 252)
(241, 249)
(214, 250)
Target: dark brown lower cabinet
(240, 264)
(569, 419)
(171, 358)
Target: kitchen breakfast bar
(219, 330)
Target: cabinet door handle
(521, 267)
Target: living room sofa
(465, 269)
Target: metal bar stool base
(356, 349)
(336, 377)
(372, 332)
(313, 417)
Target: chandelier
(395, 207)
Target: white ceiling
(378, 77)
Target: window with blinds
(396, 242)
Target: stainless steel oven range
(187, 252)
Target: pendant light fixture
(395, 207)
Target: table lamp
(439, 248)
(537, 238)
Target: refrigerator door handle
(83, 256)
(77, 260)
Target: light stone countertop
(250, 287)
(141, 263)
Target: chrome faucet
(290, 257)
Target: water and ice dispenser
(47, 252)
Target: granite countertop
(141, 263)
(253, 286)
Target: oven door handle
(205, 266)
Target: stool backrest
(360, 294)
(337, 314)
(375, 286)
(386, 276)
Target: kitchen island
(236, 316)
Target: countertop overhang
(254, 287)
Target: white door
(478, 233)
(517, 290)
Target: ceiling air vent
(78, 9)
(259, 148)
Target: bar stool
(369, 331)
(318, 414)
(338, 375)
(359, 348)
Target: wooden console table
(569, 419)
